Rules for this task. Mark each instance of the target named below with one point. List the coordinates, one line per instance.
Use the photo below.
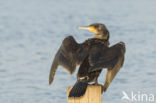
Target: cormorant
(92, 55)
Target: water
(31, 31)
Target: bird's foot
(97, 84)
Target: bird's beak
(90, 28)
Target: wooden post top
(92, 95)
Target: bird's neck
(100, 37)
(103, 38)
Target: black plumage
(71, 54)
(92, 55)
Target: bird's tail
(78, 89)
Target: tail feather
(78, 89)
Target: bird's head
(98, 29)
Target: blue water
(31, 31)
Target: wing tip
(50, 82)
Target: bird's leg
(96, 82)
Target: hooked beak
(86, 28)
(90, 28)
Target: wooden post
(92, 95)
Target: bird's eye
(96, 26)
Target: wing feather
(106, 57)
(111, 58)
(66, 56)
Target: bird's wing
(111, 58)
(66, 56)
(106, 57)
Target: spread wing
(106, 57)
(111, 58)
(67, 56)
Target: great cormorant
(92, 55)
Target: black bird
(92, 55)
